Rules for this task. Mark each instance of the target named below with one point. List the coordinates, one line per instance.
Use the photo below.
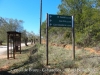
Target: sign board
(59, 20)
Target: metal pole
(73, 38)
(47, 40)
(40, 18)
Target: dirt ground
(69, 47)
(3, 56)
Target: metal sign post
(73, 38)
(60, 21)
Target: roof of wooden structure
(13, 32)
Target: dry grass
(86, 63)
(60, 62)
(18, 58)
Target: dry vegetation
(32, 61)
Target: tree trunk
(0, 42)
(26, 40)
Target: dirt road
(3, 49)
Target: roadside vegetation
(32, 61)
(9, 24)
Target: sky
(28, 11)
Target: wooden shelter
(13, 43)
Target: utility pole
(40, 18)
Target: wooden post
(40, 18)
(7, 46)
(20, 43)
(14, 45)
(47, 40)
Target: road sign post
(73, 38)
(60, 21)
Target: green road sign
(60, 20)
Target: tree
(87, 21)
(9, 25)
(43, 30)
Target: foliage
(86, 18)
(9, 25)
